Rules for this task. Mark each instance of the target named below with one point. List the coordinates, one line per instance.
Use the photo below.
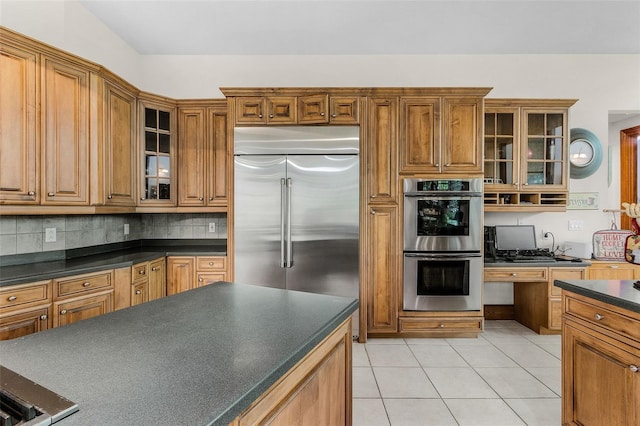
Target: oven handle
(444, 196)
(443, 255)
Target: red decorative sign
(609, 245)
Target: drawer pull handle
(138, 291)
(43, 317)
(86, 284)
(62, 312)
(13, 298)
(598, 317)
(634, 368)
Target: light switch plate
(126, 229)
(212, 227)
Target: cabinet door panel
(344, 110)
(219, 157)
(462, 148)
(382, 150)
(120, 146)
(312, 109)
(65, 118)
(420, 135)
(25, 322)
(180, 274)
(282, 110)
(383, 275)
(68, 312)
(157, 279)
(192, 155)
(19, 160)
(250, 110)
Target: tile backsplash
(27, 234)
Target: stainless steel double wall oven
(443, 234)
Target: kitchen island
(600, 352)
(216, 354)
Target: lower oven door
(442, 282)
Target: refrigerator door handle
(289, 253)
(283, 208)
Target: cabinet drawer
(564, 274)
(210, 278)
(139, 272)
(512, 274)
(19, 295)
(82, 284)
(606, 318)
(440, 324)
(211, 263)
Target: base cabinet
(602, 270)
(316, 391)
(21, 323)
(187, 272)
(600, 364)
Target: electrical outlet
(212, 227)
(50, 235)
(126, 229)
(576, 225)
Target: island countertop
(199, 357)
(618, 293)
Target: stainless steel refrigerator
(296, 220)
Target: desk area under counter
(536, 302)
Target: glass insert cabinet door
(158, 155)
(543, 155)
(501, 151)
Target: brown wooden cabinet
(461, 150)
(420, 134)
(82, 296)
(25, 309)
(118, 165)
(382, 277)
(187, 272)
(606, 270)
(323, 109)
(157, 151)
(525, 154)
(203, 154)
(536, 300)
(157, 279)
(266, 110)
(381, 150)
(600, 363)
(65, 130)
(19, 162)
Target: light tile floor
(507, 376)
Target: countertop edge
(581, 288)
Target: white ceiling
(353, 27)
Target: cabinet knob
(514, 274)
(210, 198)
(109, 196)
(437, 164)
(62, 312)
(142, 198)
(634, 368)
(372, 212)
(31, 193)
(200, 279)
(270, 115)
(516, 183)
(13, 298)
(322, 114)
(138, 291)
(141, 272)
(210, 263)
(613, 266)
(525, 184)
(333, 115)
(154, 269)
(259, 115)
(86, 284)
(447, 165)
(598, 317)
(200, 199)
(43, 317)
(441, 325)
(51, 194)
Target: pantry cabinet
(525, 154)
(20, 159)
(203, 154)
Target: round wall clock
(585, 153)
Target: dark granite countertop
(489, 261)
(92, 259)
(199, 357)
(618, 293)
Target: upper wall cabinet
(203, 153)
(287, 106)
(525, 154)
(381, 150)
(441, 134)
(19, 162)
(157, 150)
(117, 177)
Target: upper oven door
(443, 222)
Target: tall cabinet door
(65, 125)
(462, 147)
(192, 156)
(219, 156)
(420, 135)
(382, 280)
(382, 150)
(18, 144)
(120, 146)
